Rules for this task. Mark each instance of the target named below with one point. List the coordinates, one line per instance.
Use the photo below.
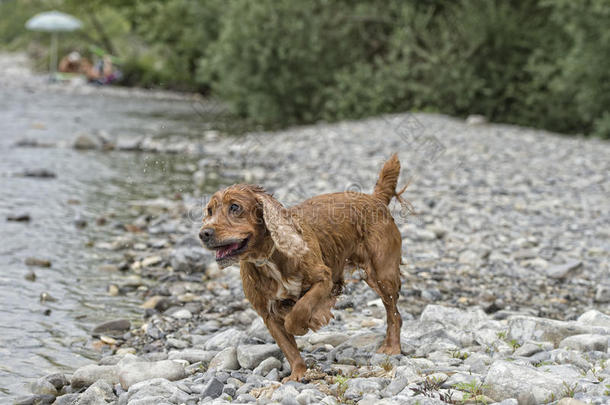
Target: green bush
(534, 62)
(540, 63)
(274, 58)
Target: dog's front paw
(295, 325)
(298, 371)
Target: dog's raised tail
(385, 188)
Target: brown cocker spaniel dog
(292, 259)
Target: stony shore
(506, 286)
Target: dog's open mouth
(231, 249)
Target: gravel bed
(506, 286)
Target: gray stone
(190, 259)
(192, 355)
(570, 401)
(177, 343)
(453, 316)
(462, 378)
(67, 399)
(182, 314)
(595, 318)
(245, 398)
(267, 365)
(18, 217)
(524, 328)
(398, 384)
(86, 142)
(573, 357)
(602, 293)
(476, 120)
(509, 380)
(133, 373)
(365, 342)
(250, 356)
(585, 343)
(157, 389)
(212, 388)
(509, 401)
(99, 393)
(417, 400)
(330, 338)
(564, 270)
(273, 375)
(87, 375)
(43, 387)
(426, 337)
(530, 348)
(309, 396)
(225, 360)
(228, 338)
(566, 372)
(114, 328)
(469, 257)
(58, 380)
(358, 386)
(284, 391)
(259, 331)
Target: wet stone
(212, 388)
(113, 328)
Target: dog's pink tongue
(224, 251)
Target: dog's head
(243, 221)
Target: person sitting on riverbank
(74, 63)
(104, 72)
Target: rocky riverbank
(505, 292)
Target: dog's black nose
(206, 234)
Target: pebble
(39, 173)
(227, 338)
(265, 367)
(494, 238)
(87, 375)
(85, 142)
(226, 359)
(212, 389)
(19, 217)
(602, 294)
(595, 318)
(586, 343)
(250, 356)
(192, 355)
(33, 261)
(133, 373)
(156, 391)
(509, 380)
(98, 393)
(563, 270)
(475, 120)
(113, 328)
(182, 314)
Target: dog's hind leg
(383, 276)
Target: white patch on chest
(287, 288)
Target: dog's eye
(209, 212)
(234, 208)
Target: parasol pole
(53, 56)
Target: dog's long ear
(286, 235)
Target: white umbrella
(54, 22)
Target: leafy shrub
(541, 63)
(535, 62)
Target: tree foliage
(541, 63)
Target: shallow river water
(36, 337)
